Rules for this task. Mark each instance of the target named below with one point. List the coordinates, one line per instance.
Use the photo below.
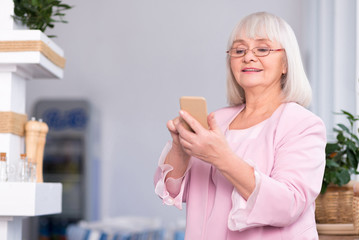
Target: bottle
(11, 171)
(22, 169)
(32, 172)
(32, 132)
(3, 167)
(43, 129)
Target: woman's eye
(263, 50)
(240, 51)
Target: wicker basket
(338, 205)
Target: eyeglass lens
(240, 52)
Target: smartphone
(197, 108)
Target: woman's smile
(251, 70)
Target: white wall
(133, 60)
(331, 58)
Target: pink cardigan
(287, 152)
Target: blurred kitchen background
(128, 62)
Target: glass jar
(23, 169)
(32, 171)
(3, 167)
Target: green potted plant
(337, 204)
(342, 156)
(39, 14)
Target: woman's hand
(207, 145)
(176, 145)
(171, 125)
(177, 157)
(211, 146)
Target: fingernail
(181, 112)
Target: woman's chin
(250, 83)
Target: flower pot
(338, 208)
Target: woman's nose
(249, 56)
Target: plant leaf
(331, 163)
(349, 115)
(352, 160)
(340, 137)
(343, 127)
(37, 14)
(343, 177)
(331, 147)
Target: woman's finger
(176, 120)
(191, 121)
(186, 146)
(171, 126)
(184, 133)
(184, 142)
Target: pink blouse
(287, 152)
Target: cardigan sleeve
(171, 191)
(294, 182)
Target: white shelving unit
(20, 200)
(30, 64)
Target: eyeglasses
(258, 51)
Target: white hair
(295, 84)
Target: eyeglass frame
(246, 51)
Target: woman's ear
(284, 70)
(284, 66)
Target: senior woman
(256, 172)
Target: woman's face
(252, 72)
